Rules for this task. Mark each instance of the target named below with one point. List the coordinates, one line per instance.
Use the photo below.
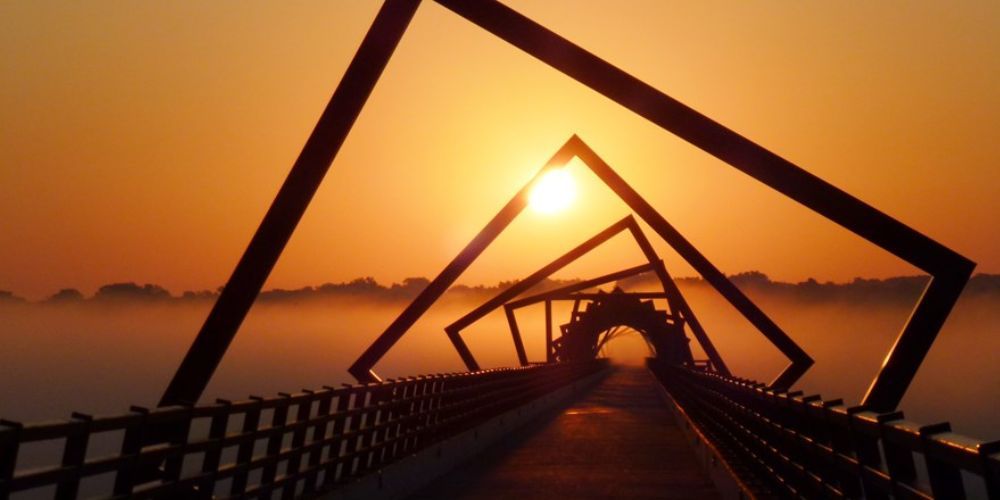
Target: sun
(554, 192)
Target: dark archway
(590, 329)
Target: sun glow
(554, 192)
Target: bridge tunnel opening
(623, 345)
(601, 319)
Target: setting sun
(553, 192)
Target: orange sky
(144, 142)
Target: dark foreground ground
(617, 441)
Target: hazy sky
(144, 141)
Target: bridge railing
(290, 446)
(806, 447)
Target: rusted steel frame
(949, 270)
(293, 198)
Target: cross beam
(949, 270)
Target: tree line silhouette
(901, 288)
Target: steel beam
(286, 210)
(677, 300)
(453, 330)
(552, 297)
(515, 333)
(362, 367)
(706, 134)
(943, 264)
(558, 294)
(582, 285)
(548, 332)
(800, 361)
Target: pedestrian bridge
(566, 426)
(567, 430)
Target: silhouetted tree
(118, 291)
(10, 298)
(66, 295)
(199, 295)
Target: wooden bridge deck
(617, 441)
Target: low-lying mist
(100, 357)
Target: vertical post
(279, 418)
(548, 332)
(318, 435)
(335, 457)
(244, 452)
(74, 454)
(10, 442)
(515, 332)
(355, 427)
(991, 473)
(867, 452)
(127, 472)
(213, 455)
(174, 464)
(298, 442)
(945, 477)
(286, 210)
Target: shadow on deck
(617, 441)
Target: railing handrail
(824, 447)
(338, 433)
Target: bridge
(569, 425)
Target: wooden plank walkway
(617, 441)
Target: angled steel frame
(289, 204)
(575, 292)
(562, 294)
(653, 264)
(949, 271)
(510, 307)
(576, 148)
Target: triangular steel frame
(653, 264)
(575, 291)
(949, 270)
(576, 148)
